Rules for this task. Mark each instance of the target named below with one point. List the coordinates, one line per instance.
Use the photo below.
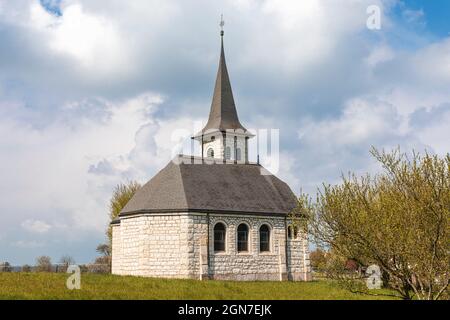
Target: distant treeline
(56, 268)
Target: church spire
(223, 114)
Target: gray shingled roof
(223, 115)
(231, 188)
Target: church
(215, 216)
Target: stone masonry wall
(152, 245)
(298, 258)
(117, 249)
(251, 265)
(176, 246)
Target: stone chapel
(212, 217)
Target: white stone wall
(176, 246)
(298, 258)
(152, 245)
(216, 145)
(117, 249)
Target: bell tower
(224, 137)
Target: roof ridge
(182, 184)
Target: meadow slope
(96, 286)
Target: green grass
(93, 286)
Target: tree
(398, 220)
(26, 268)
(104, 250)
(5, 267)
(43, 264)
(100, 265)
(121, 195)
(300, 215)
(66, 261)
(318, 260)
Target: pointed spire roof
(223, 114)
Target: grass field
(93, 286)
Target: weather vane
(222, 23)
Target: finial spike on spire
(222, 23)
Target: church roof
(223, 115)
(216, 188)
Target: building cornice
(192, 210)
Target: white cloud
(50, 165)
(93, 41)
(36, 226)
(108, 41)
(68, 169)
(360, 121)
(433, 62)
(431, 126)
(380, 54)
(341, 144)
(292, 36)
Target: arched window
(264, 238)
(238, 154)
(210, 153)
(219, 237)
(292, 232)
(228, 153)
(242, 238)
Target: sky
(94, 93)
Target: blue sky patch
(435, 15)
(52, 6)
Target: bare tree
(65, 262)
(43, 264)
(26, 268)
(100, 265)
(5, 267)
(104, 249)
